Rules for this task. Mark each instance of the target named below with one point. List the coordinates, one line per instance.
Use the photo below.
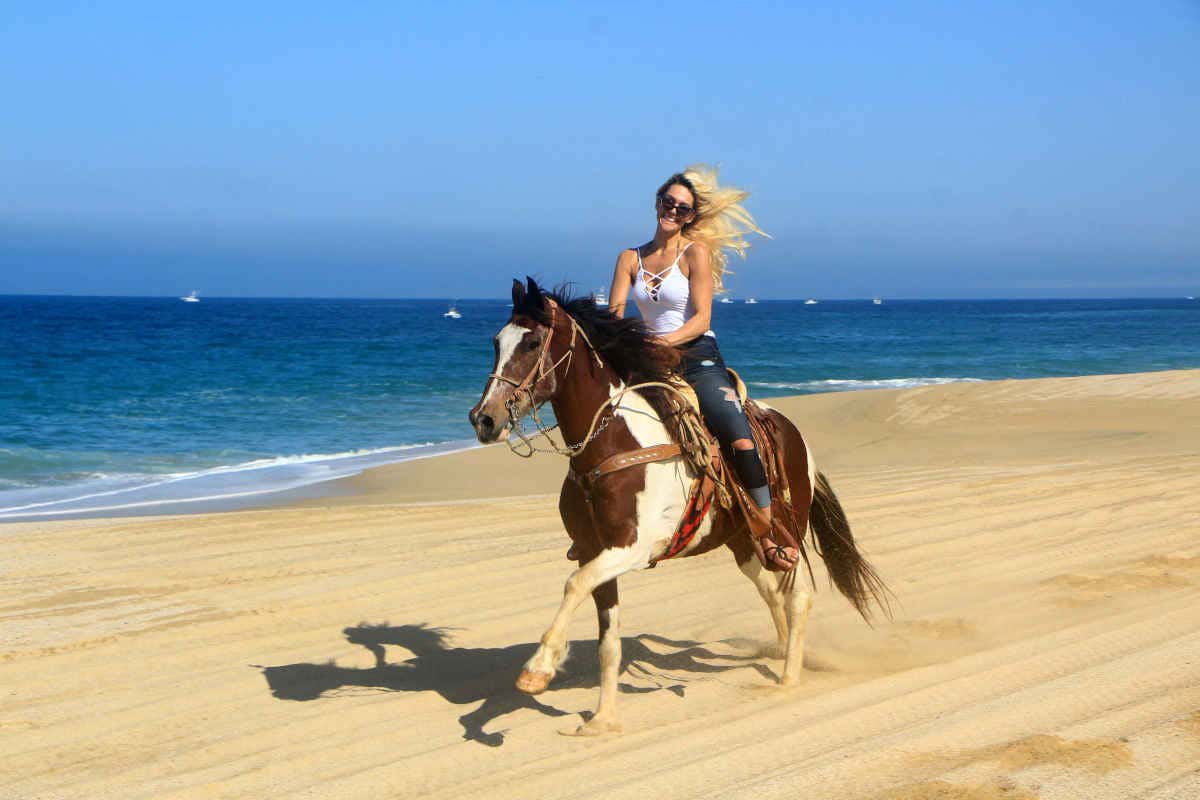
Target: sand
(1042, 538)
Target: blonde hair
(721, 223)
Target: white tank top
(664, 298)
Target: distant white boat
(726, 299)
(452, 313)
(1189, 297)
(810, 302)
(877, 301)
(751, 301)
(601, 298)
(194, 297)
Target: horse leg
(540, 669)
(767, 584)
(608, 615)
(799, 603)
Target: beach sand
(1042, 538)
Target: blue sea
(150, 405)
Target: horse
(606, 380)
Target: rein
(694, 447)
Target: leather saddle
(789, 524)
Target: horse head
(527, 356)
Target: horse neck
(584, 389)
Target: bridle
(696, 450)
(524, 390)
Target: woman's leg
(723, 412)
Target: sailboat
(194, 297)
(452, 312)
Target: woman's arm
(700, 281)
(622, 280)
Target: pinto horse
(582, 359)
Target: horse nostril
(484, 423)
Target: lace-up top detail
(663, 298)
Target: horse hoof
(593, 727)
(789, 680)
(533, 682)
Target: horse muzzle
(487, 428)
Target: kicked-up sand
(1042, 539)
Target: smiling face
(676, 207)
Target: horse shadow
(467, 675)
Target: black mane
(626, 345)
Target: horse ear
(535, 292)
(518, 293)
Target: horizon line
(741, 298)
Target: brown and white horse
(580, 359)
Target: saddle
(714, 481)
(720, 482)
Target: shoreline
(435, 476)
(877, 416)
(255, 484)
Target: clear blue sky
(920, 149)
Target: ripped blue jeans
(704, 370)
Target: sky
(918, 149)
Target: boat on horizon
(811, 302)
(877, 301)
(750, 301)
(726, 300)
(452, 312)
(601, 298)
(194, 297)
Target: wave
(116, 493)
(850, 385)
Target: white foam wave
(106, 494)
(848, 385)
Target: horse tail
(852, 574)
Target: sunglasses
(668, 204)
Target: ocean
(151, 405)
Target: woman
(672, 278)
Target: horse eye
(533, 344)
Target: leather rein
(525, 388)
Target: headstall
(525, 388)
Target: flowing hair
(721, 223)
